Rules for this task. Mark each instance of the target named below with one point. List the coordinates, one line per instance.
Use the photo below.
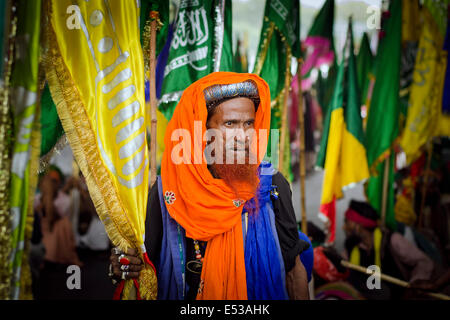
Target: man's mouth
(236, 150)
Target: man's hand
(134, 268)
(297, 282)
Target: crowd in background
(67, 231)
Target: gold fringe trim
(80, 135)
(5, 159)
(44, 161)
(25, 292)
(129, 292)
(35, 150)
(148, 284)
(262, 56)
(285, 138)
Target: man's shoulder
(267, 169)
(280, 181)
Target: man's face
(351, 228)
(234, 122)
(233, 119)
(352, 235)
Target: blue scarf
(264, 265)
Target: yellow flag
(410, 21)
(425, 100)
(95, 70)
(444, 125)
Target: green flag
(237, 59)
(324, 86)
(279, 41)
(323, 23)
(25, 105)
(226, 59)
(201, 44)
(51, 128)
(364, 62)
(383, 118)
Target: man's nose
(240, 136)
(236, 135)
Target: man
(52, 207)
(215, 230)
(396, 256)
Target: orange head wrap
(203, 205)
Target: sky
(319, 3)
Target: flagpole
(284, 120)
(301, 121)
(368, 99)
(152, 66)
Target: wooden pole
(152, 67)
(284, 117)
(390, 279)
(425, 183)
(368, 99)
(385, 190)
(301, 122)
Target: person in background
(52, 207)
(366, 245)
(90, 231)
(441, 284)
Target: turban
(219, 93)
(362, 213)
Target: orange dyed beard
(236, 174)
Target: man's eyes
(233, 122)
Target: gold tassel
(5, 164)
(35, 150)
(148, 284)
